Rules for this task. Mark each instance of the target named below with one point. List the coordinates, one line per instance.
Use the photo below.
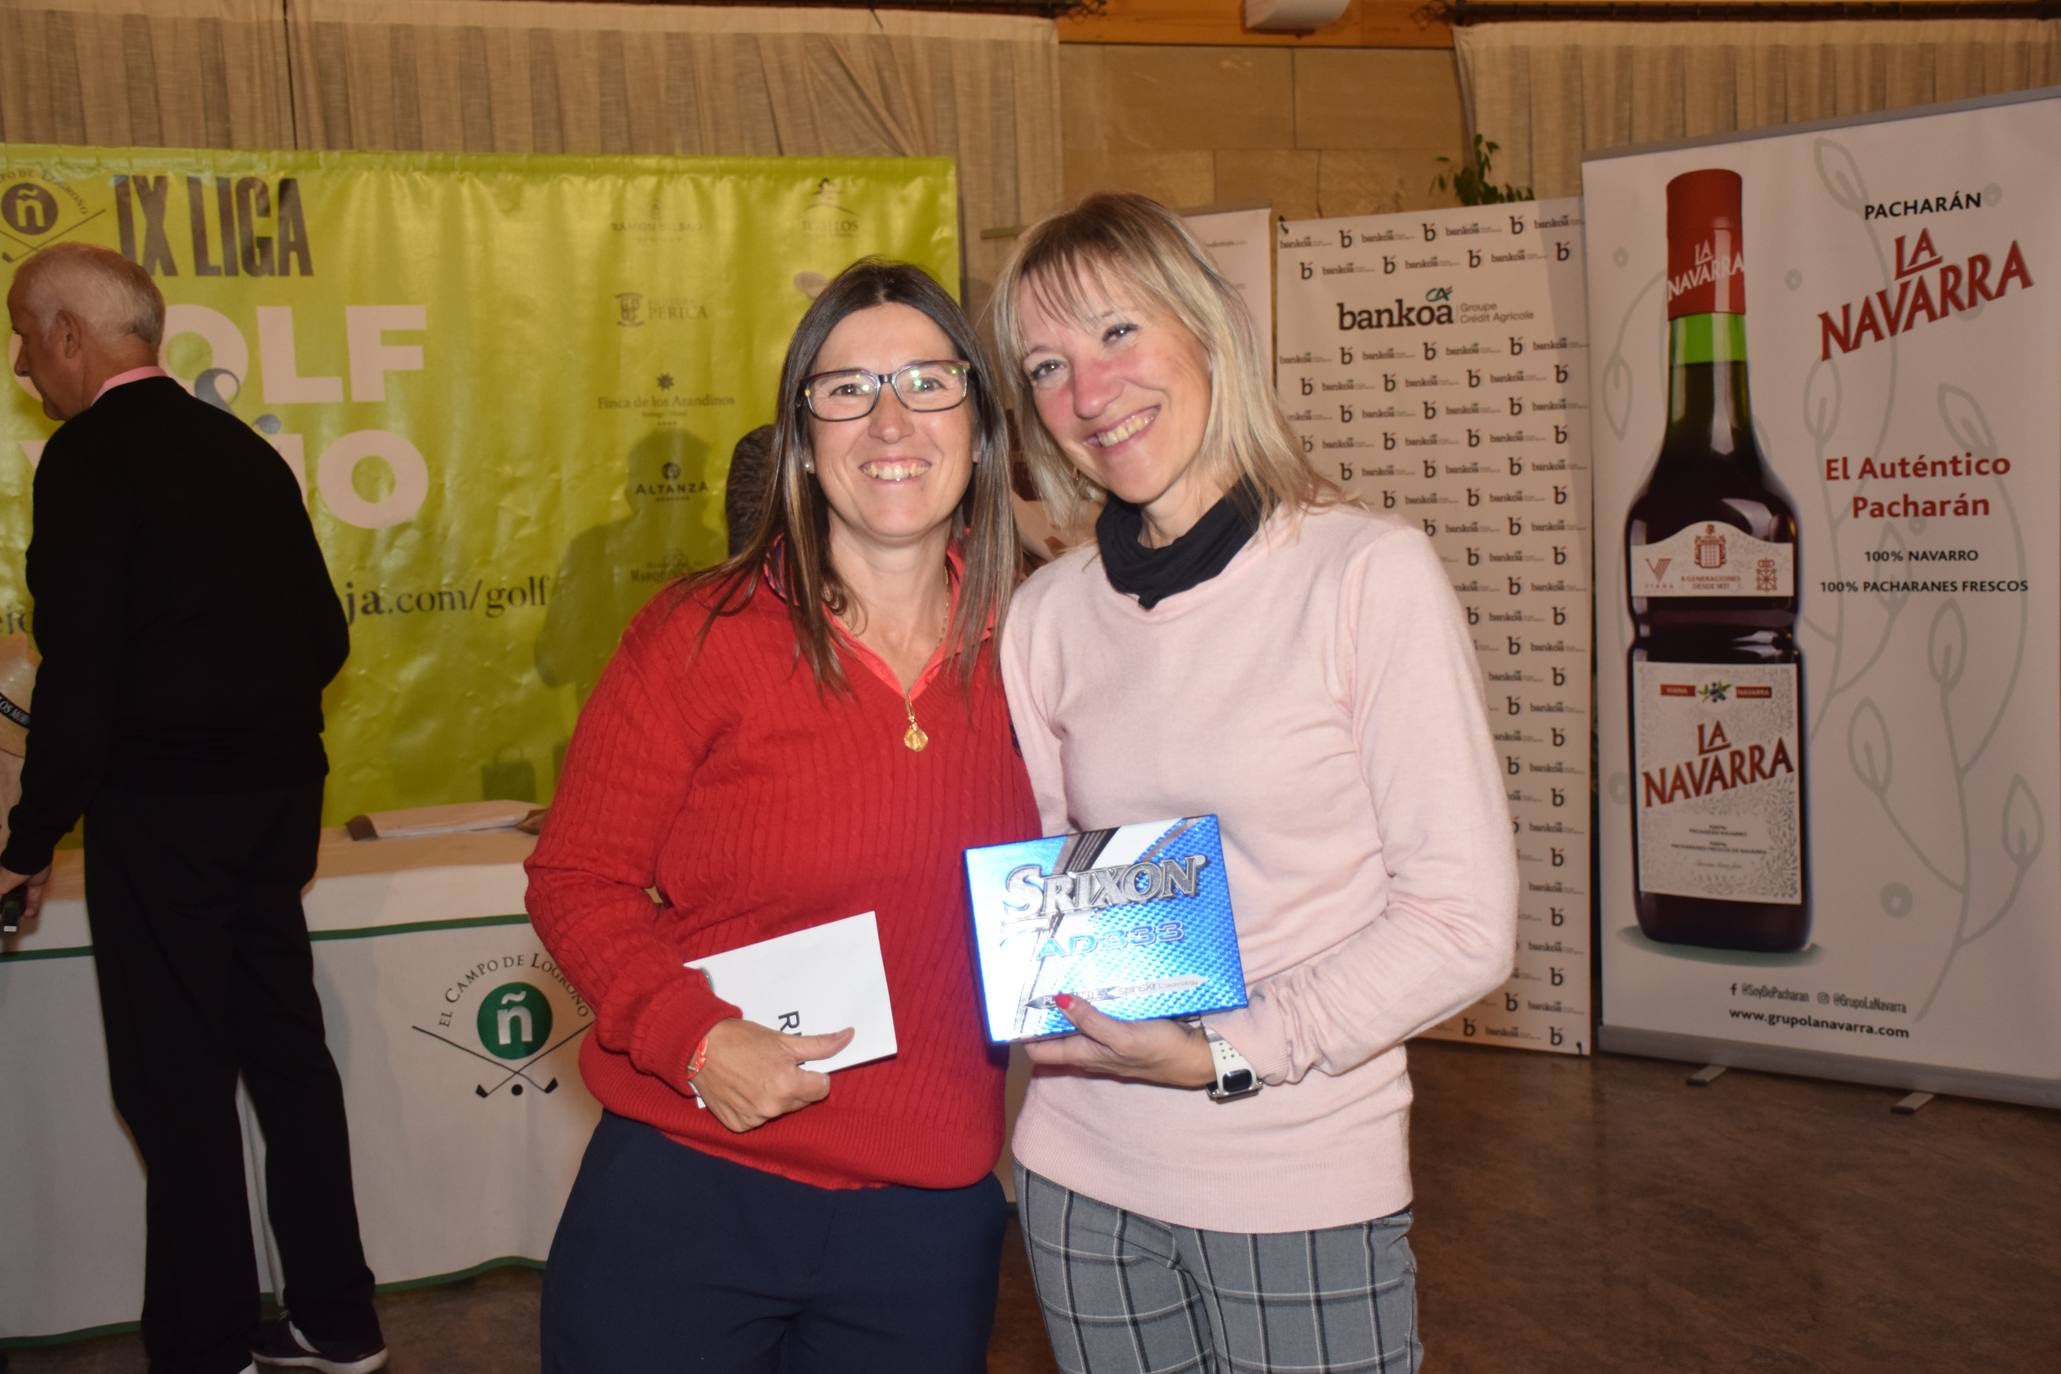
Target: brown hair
(744, 487)
(791, 538)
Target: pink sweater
(1321, 696)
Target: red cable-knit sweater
(758, 804)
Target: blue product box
(1136, 920)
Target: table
(456, 1036)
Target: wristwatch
(1235, 1076)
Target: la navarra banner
(1829, 615)
(509, 386)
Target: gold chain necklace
(914, 739)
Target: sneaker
(282, 1343)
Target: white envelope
(812, 982)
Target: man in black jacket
(188, 626)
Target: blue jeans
(667, 1258)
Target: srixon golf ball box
(1136, 920)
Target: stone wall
(1309, 131)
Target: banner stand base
(1912, 1078)
(1707, 1075)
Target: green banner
(509, 385)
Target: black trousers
(201, 951)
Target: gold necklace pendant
(914, 739)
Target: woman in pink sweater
(1240, 639)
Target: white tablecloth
(457, 1042)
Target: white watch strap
(1235, 1074)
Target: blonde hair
(1131, 245)
(111, 296)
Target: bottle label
(1719, 792)
(1710, 558)
(1706, 269)
(1706, 275)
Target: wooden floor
(1594, 1216)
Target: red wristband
(699, 1058)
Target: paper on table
(812, 982)
(455, 819)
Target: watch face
(1236, 1081)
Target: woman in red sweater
(808, 731)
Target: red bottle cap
(1706, 269)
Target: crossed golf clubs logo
(519, 1071)
(510, 1011)
(32, 219)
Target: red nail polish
(1063, 1000)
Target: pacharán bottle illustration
(1720, 854)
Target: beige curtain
(1549, 91)
(169, 73)
(518, 76)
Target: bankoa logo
(1394, 316)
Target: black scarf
(1153, 575)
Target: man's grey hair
(111, 297)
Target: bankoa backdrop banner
(1826, 498)
(1436, 366)
(509, 385)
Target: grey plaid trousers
(1125, 1294)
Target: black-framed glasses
(851, 393)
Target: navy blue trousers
(670, 1259)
